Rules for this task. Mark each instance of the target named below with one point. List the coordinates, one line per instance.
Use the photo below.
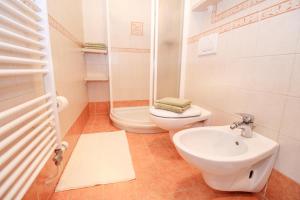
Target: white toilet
(173, 122)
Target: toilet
(173, 122)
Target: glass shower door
(169, 41)
(145, 56)
(130, 51)
(130, 35)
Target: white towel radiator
(29, 132)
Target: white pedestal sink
(228, 161)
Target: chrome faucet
(246, 125)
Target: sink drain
(251, 174)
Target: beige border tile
(271, 11)
(60, 28)
(216, 17)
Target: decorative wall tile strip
(130, 50)
(272, 11)
(235, 9)
(249, 19)
(280, 8)
(60, 28)
(137, 28)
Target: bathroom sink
(228, 161)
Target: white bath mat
(98, 158)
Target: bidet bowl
(224, 156)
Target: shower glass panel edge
(109, 55)
(133, 119)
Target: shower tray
(134, 119)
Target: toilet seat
(193, 111)
(176, 121)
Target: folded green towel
(171, 108)
(98, 46)
(94, 44)
(101, 48)
(174, 102)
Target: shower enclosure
(144, 45)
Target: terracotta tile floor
(161, 174)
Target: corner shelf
(94, 78)
(201, 5)
(87, 50)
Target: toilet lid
(193, 111)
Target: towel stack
(97, 46)
(173, 104)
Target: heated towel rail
(29, 130)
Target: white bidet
(228, 161)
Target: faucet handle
(247, 118)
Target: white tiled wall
(278, 35)
(256, 70)
(288, 161)
(298, 47)
(98, 91)
(68, 60)
(130, 76)
(68, 67)
(122, 13)
(131, 69)
(97, 64)
(69, 14)
(94, 25)
(294, 89)
(94, 20)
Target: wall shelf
(93, 78)
(201, 5)
(87, 50)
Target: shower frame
(153, 51)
